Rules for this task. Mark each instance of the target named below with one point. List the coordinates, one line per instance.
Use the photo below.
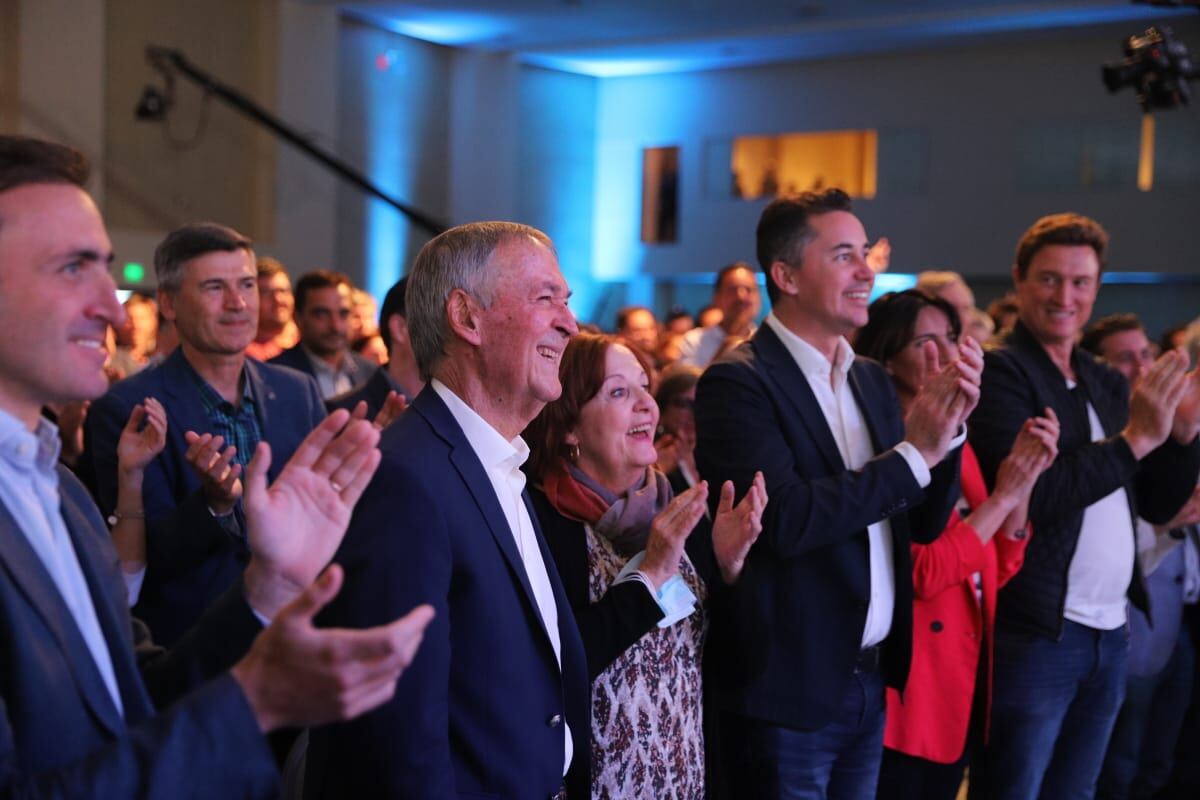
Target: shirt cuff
(133, 584)
(916, 463)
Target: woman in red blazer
(943, 709)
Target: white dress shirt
(502, 460)
(1102, 567)
(849, 428)
(29, 490)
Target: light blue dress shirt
(29, 490)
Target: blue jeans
(837, 762)
(1053, 708)
(1142, 751)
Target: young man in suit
(323, 308)
(821, 618)
(76, 717)
(220, 405)
(496, 705)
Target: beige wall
(206, 161)
(10, 57)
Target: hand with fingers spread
(220, 477)
(297, 675)
(143, 438)
(936, 412)
(393, 406)
(736, 528)
(669, 533)
(1154, 401)
(295, 526)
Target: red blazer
(930, 719)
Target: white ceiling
(623, 37)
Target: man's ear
(784, 278)
(166, 304)
(398, 329)
(462, 315)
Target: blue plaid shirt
(238, 425)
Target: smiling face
(615, 434)
(829, 289)
(524, 330)
(1056, 296)
(56, 298)
(216, 307)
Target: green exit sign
(133, 272)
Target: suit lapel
(27, 572)
(477, 482)
(264, 397)
(794, 386)
(113, 617)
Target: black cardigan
(1019, 381)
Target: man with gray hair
(220, 405)
(496, 704)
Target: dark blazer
(480, 710)
(297, 359)
(374, 391)
(784, 647)
(1019, 381)
(191, 559)
(60, 733)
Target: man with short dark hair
(398, 379)
(735, 295)
(220, 405)
(75, 698)
(1061, 645)
(821, 618)
(324, 302)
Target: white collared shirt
(29, 490)
(849, 428)
(502, 460)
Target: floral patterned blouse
(647, 707)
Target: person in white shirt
(1061, 643)
(496, 704)
(821, 617)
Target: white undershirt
(502, 460)
(849, 430)
(1100, 571)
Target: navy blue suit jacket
(191, 559)
(297, 359)
(374, 391)
(61, 735)
(785, 637)
(480, 711)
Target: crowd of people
(467, 546)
